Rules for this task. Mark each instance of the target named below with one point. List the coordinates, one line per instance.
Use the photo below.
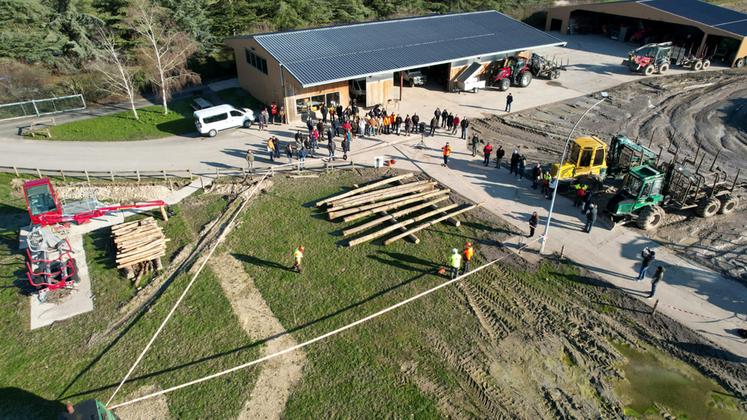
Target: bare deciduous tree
(165, 49)
(111, 62)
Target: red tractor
(650, 59)
(513, 71)
(50, 264)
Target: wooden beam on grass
(388, 217)
(356, 198)
(352, 210)
(364, 188)
(384, 231)
(408, 200)
(431, 223)
(383, 196)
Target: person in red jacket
(447, 152)
(273, 113)
(487, 151)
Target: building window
(256, 61)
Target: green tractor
(625, 153)
(646, 193)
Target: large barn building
(706, 29)
(306, 68)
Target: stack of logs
(380, 199)
(140, 246)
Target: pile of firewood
(140, 246)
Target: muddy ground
(706, 110)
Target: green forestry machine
(649, 192)
(625, 153)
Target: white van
(211, 120)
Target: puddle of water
(653, 378)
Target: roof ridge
(373, 22)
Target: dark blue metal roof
(702, 12)
(323, 55)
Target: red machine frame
(56, 215)
(65, 259)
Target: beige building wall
(265, 87)
(379, 90)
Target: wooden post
(164, 215)
(656, 305)
(62, 173)
(243, 172)
(562, 249)
(38, 172)
(111, 175)
(217, 173)
(88, 178)
(202, 183)
(165, 178)
(16, 171)
(189, 171)
(138, 176)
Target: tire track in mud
(505, 306)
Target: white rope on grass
(299, 164)
(319, 338)
(213, 247)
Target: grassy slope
(39, 367)
(122, 126)
(357, 373)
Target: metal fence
(41, 107)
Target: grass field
(41, 369)
(539, 332)
(122, 126)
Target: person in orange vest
(468, 253)
(447, 152)
(297, 257)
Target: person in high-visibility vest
(297, 257)
(455, 263)
(447, 152)
(468, 253)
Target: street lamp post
(605, 96)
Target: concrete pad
(79, 301)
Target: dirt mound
(706, 110)
(114, 193)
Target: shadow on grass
(250, 259)
(16, 403)
(296, 328)
(708, 350)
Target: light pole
(605, 95)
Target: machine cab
(587, 158)
(644, 184)
(41, 200)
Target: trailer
(546, 68)
(469, 80)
